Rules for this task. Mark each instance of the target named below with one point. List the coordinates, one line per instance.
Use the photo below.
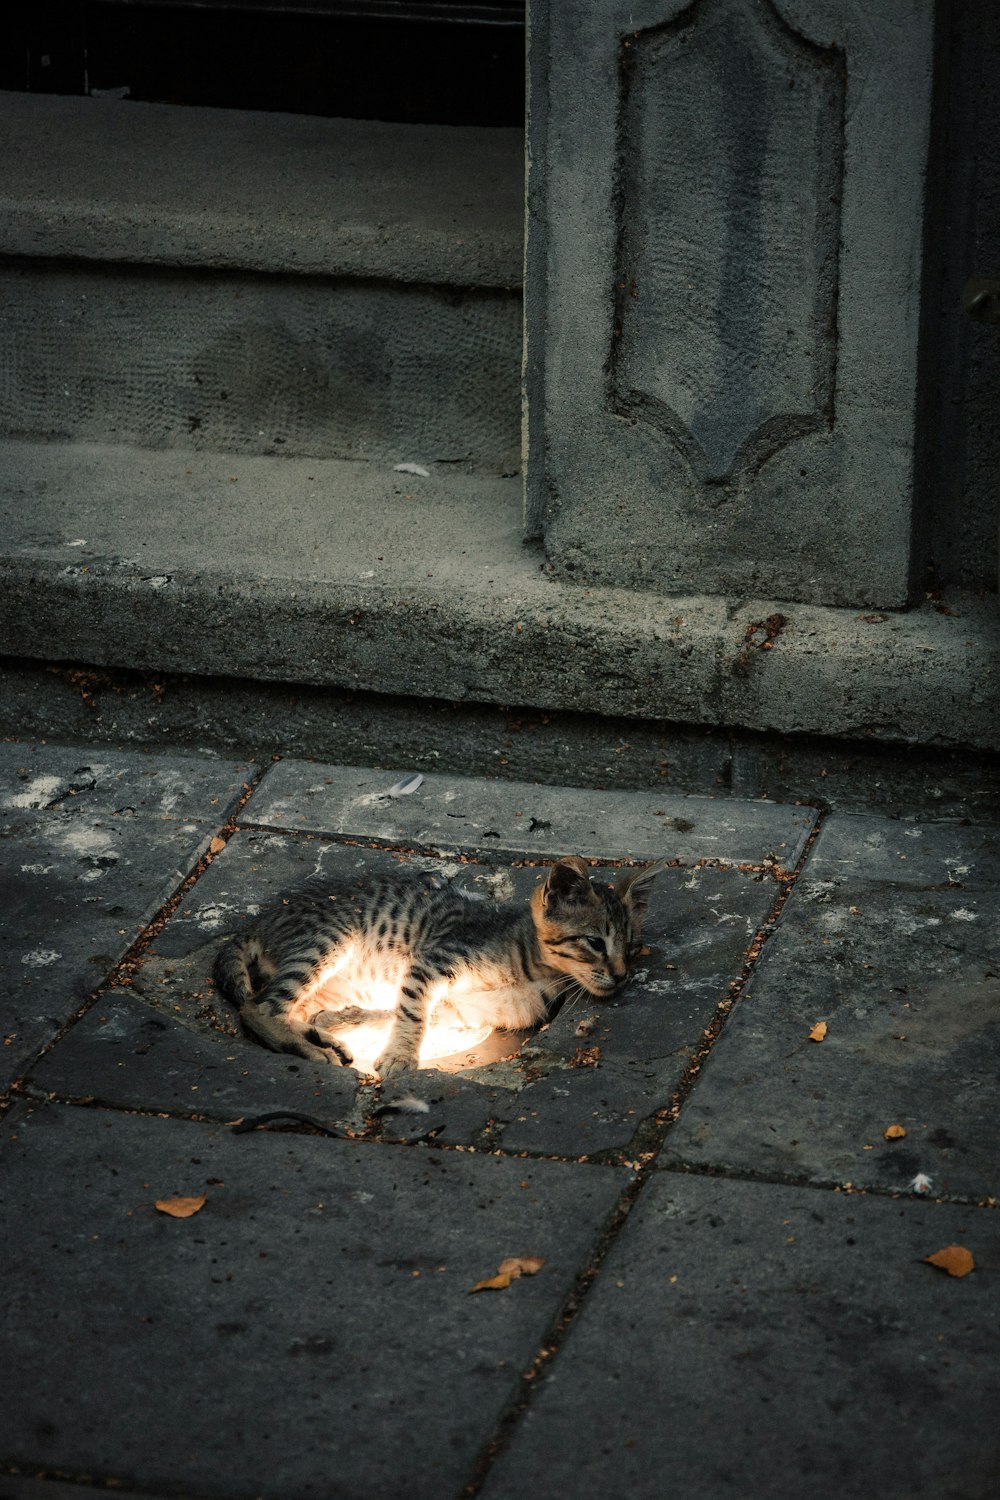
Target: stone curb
(920, 677)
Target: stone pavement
(735, 1299)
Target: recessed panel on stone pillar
(726, 202)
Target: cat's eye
(596, 943)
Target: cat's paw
(392, 1063)
(327, 1056)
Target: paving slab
(906, 974)
(127, 1053)
(91, 845)
(76, 889)
(90, 779)
(583, 1084)
(751, 1340)
(462, 812)
(927, 854)
(314, 1316)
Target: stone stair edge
(371, 580)
(233, 190)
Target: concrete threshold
(348, 575)
(115, 180)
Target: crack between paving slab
(660, 1122)
(126, 1489)
(827, 1185)
(640, 1156)
(124, 970)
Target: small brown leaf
(521, 1265)
(217, 845)
(954, 1259)
(818, 1032)
(509, 1270)
(894, 1132)
(492, 1284)
(180, 1208)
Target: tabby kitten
(306, 974)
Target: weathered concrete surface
(289, 1312)
(327, 1278)
(261, 364)
(82, 874)
(584, 1084)
(547, 1098)
(699, 286)
(463, 811)
(435, 596)
(129, 1054)
(150, 184)
(899, 955)
(100, 707)
(44, 776)
(750, 1340)
(929, 854)
(27, 1487)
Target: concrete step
(348, 575)
(259, 283)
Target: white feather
(406, 786)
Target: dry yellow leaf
(894, 1132)
(954, 1259)
(508, 1270)
(521, 1265)
(180, 1208)
(217, 845)
(818, 1032)
(493, 1283)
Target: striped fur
(307, 972)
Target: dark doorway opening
(448, 62)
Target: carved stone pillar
(726, 205)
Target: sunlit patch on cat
(440, 1041)
(445, 1036)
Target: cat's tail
(242, 971)
(232, 971)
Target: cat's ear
(567, 880)
(633, 889)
